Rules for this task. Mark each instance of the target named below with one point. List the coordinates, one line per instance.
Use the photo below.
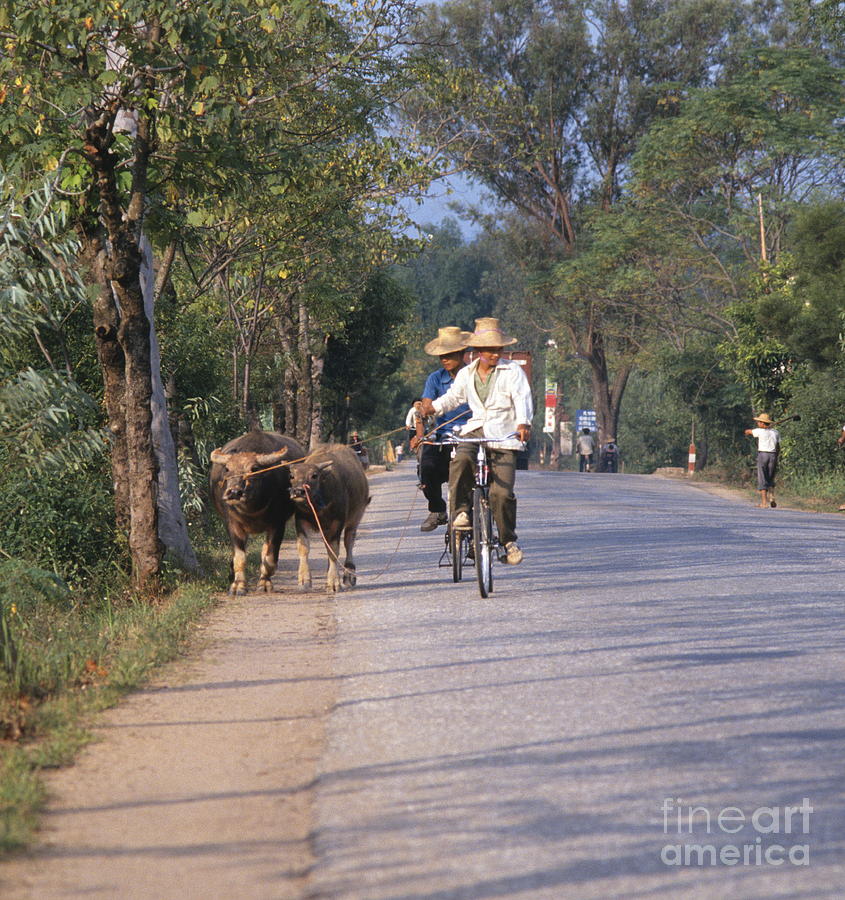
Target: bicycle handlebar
(456, 439)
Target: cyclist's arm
(454, 397)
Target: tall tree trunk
(600, 381)
(123, 268)
(172, 527)
(317, 363)
(304, 397)
(287, 401)
(110, 357)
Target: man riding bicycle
(449, 346)
(499, 397)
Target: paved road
(660, 649)
(664, 662)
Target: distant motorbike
(609, 457)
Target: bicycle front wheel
(456, 548)
(482, 536)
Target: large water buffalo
(333, 480)
(257, 504)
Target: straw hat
(448, 340)
(764, 417)
(488, 334)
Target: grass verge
(812, 492)
(63, 662)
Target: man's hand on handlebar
(426, 407)
(523, 432)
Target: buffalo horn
(270, 459)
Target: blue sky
(436, 207)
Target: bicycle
(479, 538)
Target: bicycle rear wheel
(482, 536)
(456, 548)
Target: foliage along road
(659, 683)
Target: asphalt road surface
(664, 661)
(651, 705)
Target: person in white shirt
(768, 443)
(500, 402)
(586, 447)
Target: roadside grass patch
(817, 491)
(64, 658)
(810, 491)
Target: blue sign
(585, 418)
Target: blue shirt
(436, 386)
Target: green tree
(361, 357)
(543, 103)
(805, 310)
(146, 111)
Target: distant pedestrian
(586, 449)
(361, 451)
(768, 445)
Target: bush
(809, 446)
(61, 522)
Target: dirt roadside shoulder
(201, 784)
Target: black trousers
(434, 473)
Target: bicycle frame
(481, 537)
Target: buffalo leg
(349, 577)
(303, 546)
(270, 558)
(238, 568)
(332, 577)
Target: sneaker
(513, 555)
(461, 520)
(431, 521)
(442, 518)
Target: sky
(436, 206)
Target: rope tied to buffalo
(378, 437)
(334, 556)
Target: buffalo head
(240, 475)
(305, 482)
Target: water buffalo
(253, 505)
(333, 479)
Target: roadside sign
(585, 418)
(550, 407)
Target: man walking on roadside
(449, 345)
(499, 397)
(768, 442)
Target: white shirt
(767, 439)
(585, 444)
(508, 404)
(410, 419)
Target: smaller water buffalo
(257, 504)
(333, 480)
